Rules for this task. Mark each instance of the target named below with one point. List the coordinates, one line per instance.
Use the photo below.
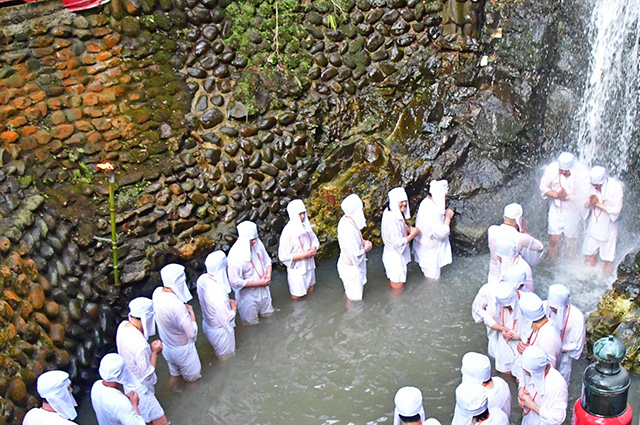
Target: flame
(105, 166)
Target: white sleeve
(575, 337)
(236, 279)
(145, 370)
(285, 247)
(614, 205)
(392, 233)
(264, 255)
(189, 327)
(554, 410)
(479, 306)
(546, 181)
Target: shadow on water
(318, 362)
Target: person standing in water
(564, 187)
(352, 263)
(513, 228)
(250, 274)
(297, 249)
(396, 236)
(603, 209)
(431, 246)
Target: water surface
(318, 361)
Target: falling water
(608, 116)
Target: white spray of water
(608, 116)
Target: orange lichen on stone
(103, 56)
(111, 40)
(18, 121)
(62, 131)
(58, 117)
(38, 96)
(9, 136)
(83, 126)
(76, 89)
(41, 137)
(21, 102)
(90, 99)
(93, 47)
(28, 130)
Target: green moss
(279, 23)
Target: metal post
(111, 177)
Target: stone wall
(216, 111)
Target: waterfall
(608, 117)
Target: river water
(318, 361)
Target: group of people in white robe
(532, 340)
(430, 236)
(582, 201)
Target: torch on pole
(110, 171)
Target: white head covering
(54, 387)
(408, 402)
(247, 231)
(471, 400)
(558, 297)
(507, 295)
(438, 189)
(174, 278)
(113, 369)
(431, 421)
(598, 175)
(397, 195)
(514, 276)
(216, 264)
(507, 250)
(531, 306)
(476, 368)
(565, 161)
(514, 211)
(142, 308)
(534, 361)
(294, 209)
(353, 207)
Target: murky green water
(319, 362)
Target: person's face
(565, 173)
(554, 310)
(527, 373)
(598, 187)
(253, 242)
(303, 216)
(403, 206)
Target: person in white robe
(409, 409)
(496, 305)
(297, 249)
(541, 333)
(177, 325)
(141, 357)
(563, 183)
(543, 394)
(352, 262)
(250, 274)
(569, 321)
(218, 311)
(602, 210)
(431, 247)
(472, 407)
(58, 403)
(476, 369)
(507, 255)
(115, 397)
(513, 228)
(397, 236)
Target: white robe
(486, 310)
(564, 216)
(352, 262)
(136, 352)
(218, 318)
(396, 253)
(39, 416)
(500, 395)
(112, 407)
(255, 301)
(573, 337)
(524, 241)
(300, 273)
(553, 403)
(602, 225)
(548, 339)
(178, 335)
(431, 246)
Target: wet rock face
(617, 312)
